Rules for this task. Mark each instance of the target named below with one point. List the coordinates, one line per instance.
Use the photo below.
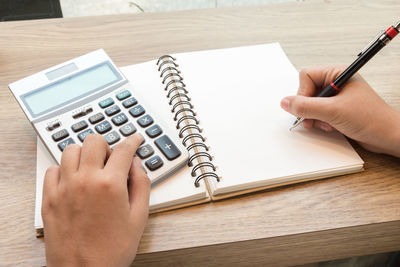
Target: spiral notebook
(224, 105)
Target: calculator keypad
(111, 119)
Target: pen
(382, 39)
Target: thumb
(318, 108)
(139, 190)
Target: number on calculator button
(112, 137)
(145, 151)
(127, 129)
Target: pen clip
(370, 43)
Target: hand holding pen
(357, 112)
(364, 56)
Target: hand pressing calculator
(88, 95)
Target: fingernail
(285, 104)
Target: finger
(319, 108)
(94, 152)
(308, 124)
(50, 184)
(70, 158)
(120, 160)
(139, 189)
(326, 127)
(313, 80)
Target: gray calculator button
(96, 118)
(129, 102)
(103, 127)
(154, 131)
(145, 151)
(154, 163)
(168, 148)
(112, 110)
(137, 111)
(119, 119)
(145, 121)
(112, 137)
(79, 126)
(62, 145)
(84, 134)
(60, 135)
(127, 129)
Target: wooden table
(340, 217)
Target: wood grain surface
(322, 220)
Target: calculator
(89, 95)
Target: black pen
(382, 39)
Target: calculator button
(168, 148)
(112, 137)
(62, 145)
(154, 163)
(145, 121)
(145, 151)
(123, 95)
(129, 102)
(127, 129)
(136, 111)
(96, 118)
(79, 126)
(60, 135)
(119, 119)
(103, 127)
(154, 131)
(84, 134)
(106, 102)
(112, 110)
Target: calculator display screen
(69, 89)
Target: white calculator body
(88, 95)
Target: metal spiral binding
(190, 132)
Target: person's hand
(356, 111)
(91, 217)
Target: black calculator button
(112, 110)
(106, 102)
(168, 148)
(79, 126)
(154, 131)
(84, 134)
(128, 129)
(96, 118)
(124, 94)
(145, 121)
(60, 135)
(154, 163)
(136, 111)
(145, 151)
(62, 145)
(119, 119)
(103, 127)
(112, 137)
(129, 102)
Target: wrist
(392, 134)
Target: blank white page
(236, 93)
